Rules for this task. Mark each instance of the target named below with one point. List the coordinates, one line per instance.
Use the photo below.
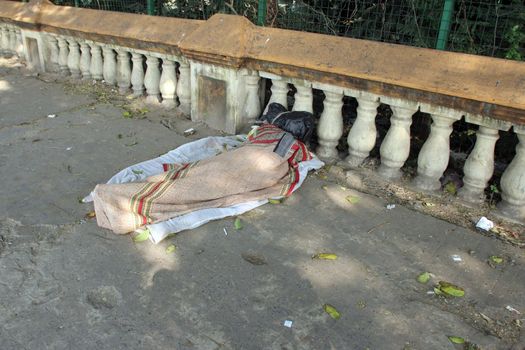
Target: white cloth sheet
(187, 153)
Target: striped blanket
(249, 172)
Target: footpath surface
(67, 284)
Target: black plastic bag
(300, 124)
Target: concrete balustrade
(85, 60)
(252, 105)
(152, 79)
(63, 54)
(330, 127)
(19, 44)
(4, 42)
(137, 74)
(362, 136)
(222, 84)
(279, 91)
(123, 71)
(304, 97)
(184, 87)
(96, 68)
(109, 67)
(513, 182)
(52, 44)
(395, 148)
(73, 59)
(434, 155)
(168, 83)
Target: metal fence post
(261, 13)
(444, 27)
(151, 7)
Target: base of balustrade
(153, 99)
(389, 173)
(471, 195)
(169, 103)
(426, 183)
(512, 212)
(354, 161)
(75, 74)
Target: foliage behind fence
(483, 27)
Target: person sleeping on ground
(264, 166)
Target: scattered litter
(450, 289)
(254, 259)
(332, 311)
(140, 235)
(456, 340)
(189, 131)
(325, 256)
(485, 317)
(484, 224)
(353, 199)
(431, 292)
(225, 232)
(428, 204)
(456, 258)
(90, 215)
(495, 259)
(171, 248)
(451, 188)
(288, 323)
(423, 278)
(137, 172)
(238, 224)
(69, 148)
(275, 201)
(390, 206)
(511, 309)
(51, 115)
(376, 226)
(361, 304)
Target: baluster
(279, 93)
(12, 40)
(19, 44)
(53, 53)
(362, 136)
(152, 79)
(124, 71)
(168, 83)
(395, 148)
(433, 157)
(184, 88)
(73, 59)
(5, 41)
(303, 99)
(85, 60)
(330, 126)
(252, 104)
(96, 68)
(110, 66)
(479, 166)
(137, 74)
(63, 55)
(513, 182)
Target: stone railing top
(478, 85)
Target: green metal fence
(483, 27)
